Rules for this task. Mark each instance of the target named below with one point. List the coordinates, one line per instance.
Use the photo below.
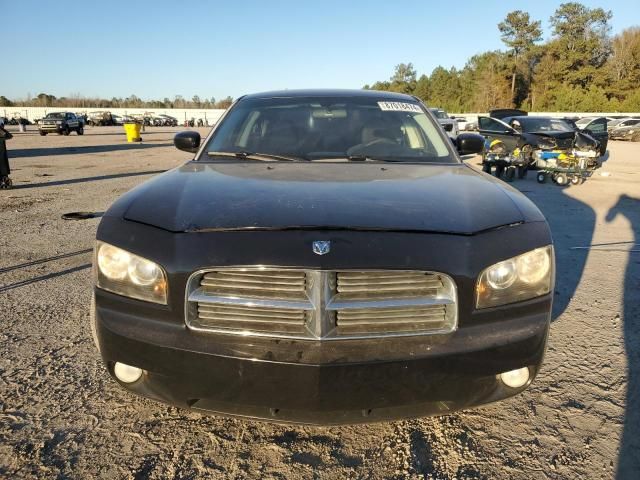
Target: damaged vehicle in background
(631, 133)
(325, 258)
(622, 122)
(533, 134)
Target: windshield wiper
(368, 158)
(254, 156)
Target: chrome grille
(255, 284)
(356, 285)
(386, 320)
(251, 318)
(316, 304)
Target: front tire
(499, 170)
(66, 131)
(510, 174)
(522, 172)
(486, 167)
(42, 133)
(80, 131)
(541, 177)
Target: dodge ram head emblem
(321, 247)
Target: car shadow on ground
(629, 457)
(572, 224)
(86, 179)
(147, 131)
(81, 150)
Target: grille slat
(314, 304)
(240, 286)
(256, 284)
(398, 315)
(251, 318)
(380, 285)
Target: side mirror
(468, 143)
(187, 141)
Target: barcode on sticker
(399, 107)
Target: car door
(72, 122)
(494, 129)
(597, 128)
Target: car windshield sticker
(399, 107)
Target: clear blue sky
(158, 49)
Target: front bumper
(315, 382)
(51, 128)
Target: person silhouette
(5, 180)
(629, 456)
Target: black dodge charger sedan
(325, 258)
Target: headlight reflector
(143, 272)
(127, 274)
(534, 266)
(502, 275)
(113, 262)
(520, 278)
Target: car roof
(331, 93)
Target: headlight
(124, 273)
(546, 143)
(520, 278)
(59, 122)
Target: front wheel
(80, 131)
(541, 177)
(486, 167)
(576, 180)
(510, 174)
(498, 171)
(66, 131)
(42, 133)
(522, 171)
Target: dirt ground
(62, 417)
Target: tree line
(580, 68)
(80, 102)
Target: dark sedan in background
(325, 258)
(516, 129)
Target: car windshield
(439, 114)
(585, 121)
(543, 124)
(331, 128)
(55, 115)
(613, 123)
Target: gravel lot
(62, 417)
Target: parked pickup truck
(62, 123)
(325, 258)
(450, 125)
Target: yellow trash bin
(133, 132)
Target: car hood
(629, 128)
(365, 196)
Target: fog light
(515, 378)
(126, 373)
